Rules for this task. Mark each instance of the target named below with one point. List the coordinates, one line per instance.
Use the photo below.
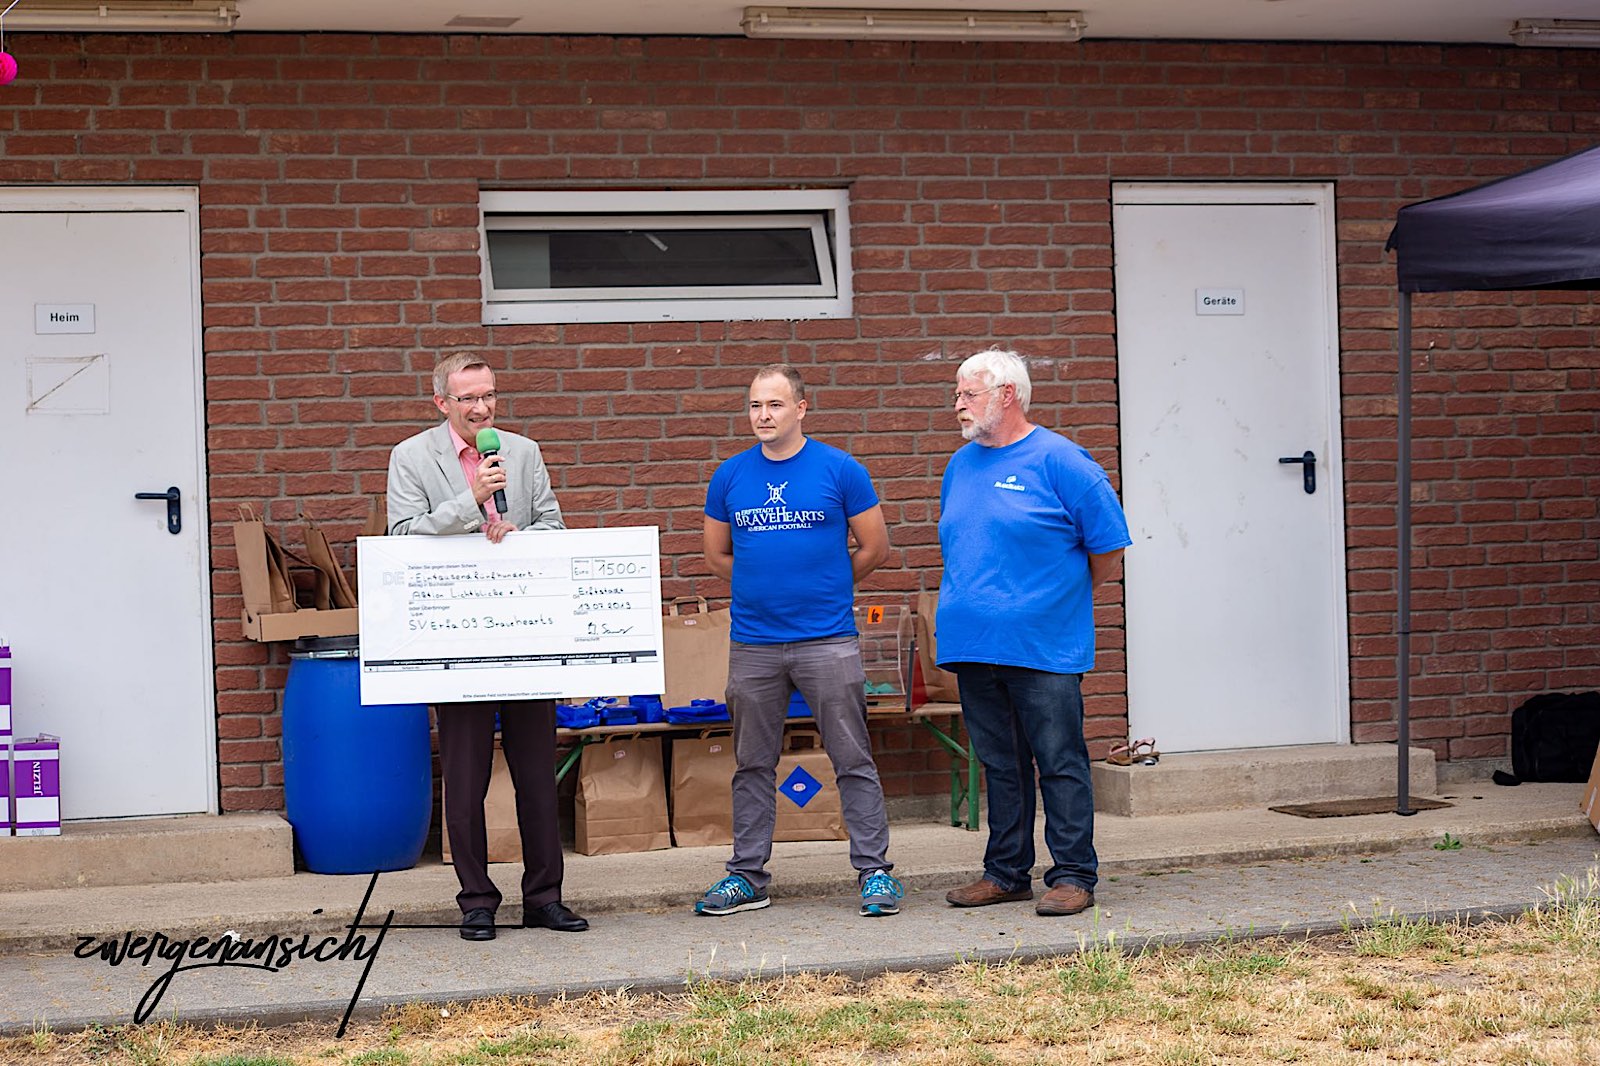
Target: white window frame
(824, 211)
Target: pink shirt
(469, 457)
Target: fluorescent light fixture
(1556, 33)
(483, 22)
(122, 16)
(863, 23)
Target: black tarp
(1536, 230)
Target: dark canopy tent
(1535, 230)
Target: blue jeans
(1020, 719)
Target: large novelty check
(544, 613)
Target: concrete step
(148, 851)
(1257, 777)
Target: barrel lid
(347, 647)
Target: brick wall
(339, 177)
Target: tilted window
(665, 256)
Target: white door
(1228, 363)
(107, 612)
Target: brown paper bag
(331, 579)
(377, 519)
(499, 814)
(940, 685)
(702, 791)
(621, 803)
(377, 526)
(807, 809)
(263, 566)
(695, 650)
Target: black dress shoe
(477, 924)
(553, 916)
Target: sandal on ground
(1135, 751)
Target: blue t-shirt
(791, 525)
(1017, 526)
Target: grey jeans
(828, 675)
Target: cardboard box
(265, 616)
(36, 774)
(306, 622)
(1591, 794)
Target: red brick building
(339, 178)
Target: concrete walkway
(1169, 878)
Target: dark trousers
(1026, 725)
(466, 757)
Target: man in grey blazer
(440, 485)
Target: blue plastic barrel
(357, 781)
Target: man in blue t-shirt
(779, 518)
(1029, 525)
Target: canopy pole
(1403, 563)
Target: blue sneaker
(881, 894)
(732, 893)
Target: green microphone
(489, 444)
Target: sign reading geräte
(544, 613)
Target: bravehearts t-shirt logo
(776, 514)
(1010, 484)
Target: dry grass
(1521, 993)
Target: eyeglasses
(473, 401)
(969, 395)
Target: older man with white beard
(1029, 525)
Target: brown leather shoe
(983, 892)
(1065, 898)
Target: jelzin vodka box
(5, 691)
(36, 777)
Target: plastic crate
(885, 631)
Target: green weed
(528, 1042)
(1570, 913)
(43, 1039)
(388, 1056)
(1395, 936)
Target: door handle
(175, 507)
(1308, 461)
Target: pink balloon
(8, 68)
